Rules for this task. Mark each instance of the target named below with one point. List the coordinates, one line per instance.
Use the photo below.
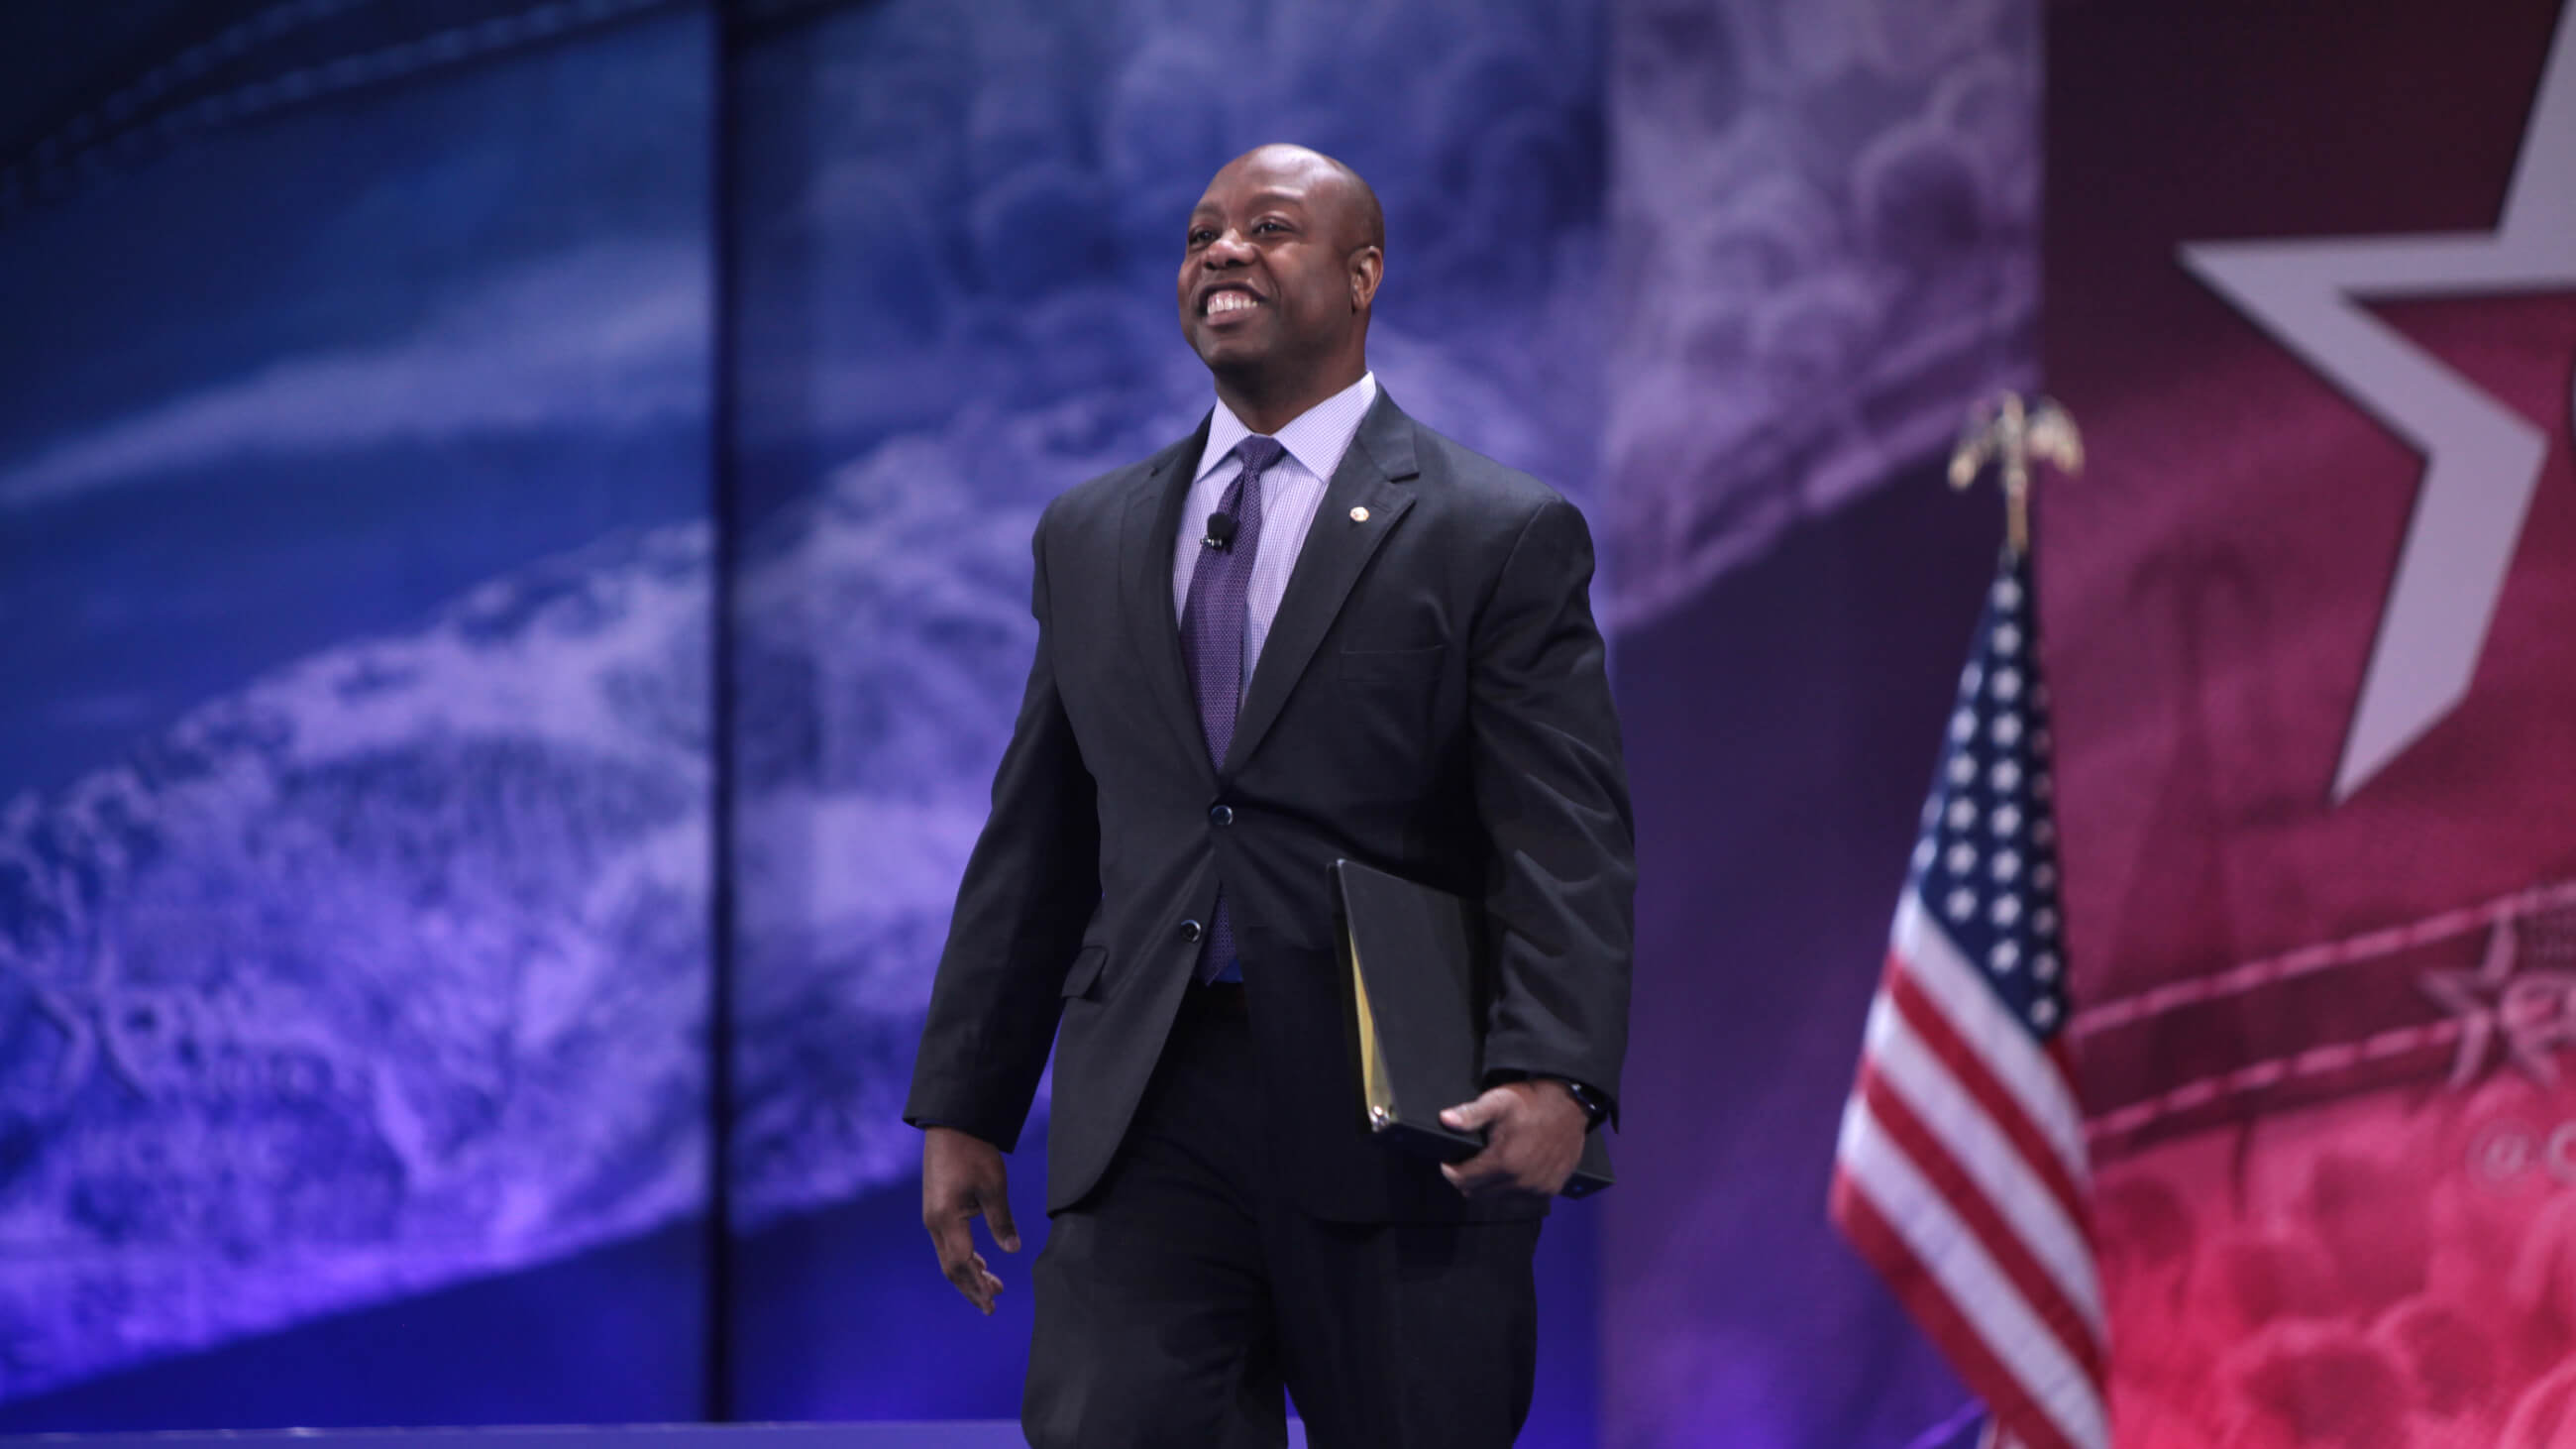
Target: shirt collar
(1317, 438)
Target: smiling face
(1275, 282)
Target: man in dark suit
(1314, 629)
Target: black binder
(1414, 957)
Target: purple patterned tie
(1212, 637)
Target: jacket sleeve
(1552, 791)
(1029, 891)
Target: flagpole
(1960, 1172)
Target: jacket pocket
(1366, 664)
(1085, 974)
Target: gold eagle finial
(2006, 430)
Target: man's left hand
(1533, 1139)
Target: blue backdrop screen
(354, 866)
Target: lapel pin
(1359, 515)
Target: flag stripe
(1968, 1070)
(1914, 1286)
(2004, 1044)
(2076, 1324)
(2057, 1390)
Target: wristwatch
(1596, 1108)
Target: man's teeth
(1224, 302)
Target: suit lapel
(1337, 547)
(1146, 541)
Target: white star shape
(2483, 459)
(2005, 956)
(1963, 814)
(2007, 776)
(2006, 911)
(2044, 965)
(1963, 768)
(2007, 594)
(1962, 904)
(2532, 1013)
(1963, 858)
(2007, 865)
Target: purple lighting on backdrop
(1824, 244)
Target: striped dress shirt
(1315, 439)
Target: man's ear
(1368, 266)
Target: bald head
(1359, 221)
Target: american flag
(1960, 1173)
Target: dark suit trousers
(1176, 1299)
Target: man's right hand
(962, 1176)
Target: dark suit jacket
(1431, 700)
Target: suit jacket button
(1222, 815)
(1189, 930)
